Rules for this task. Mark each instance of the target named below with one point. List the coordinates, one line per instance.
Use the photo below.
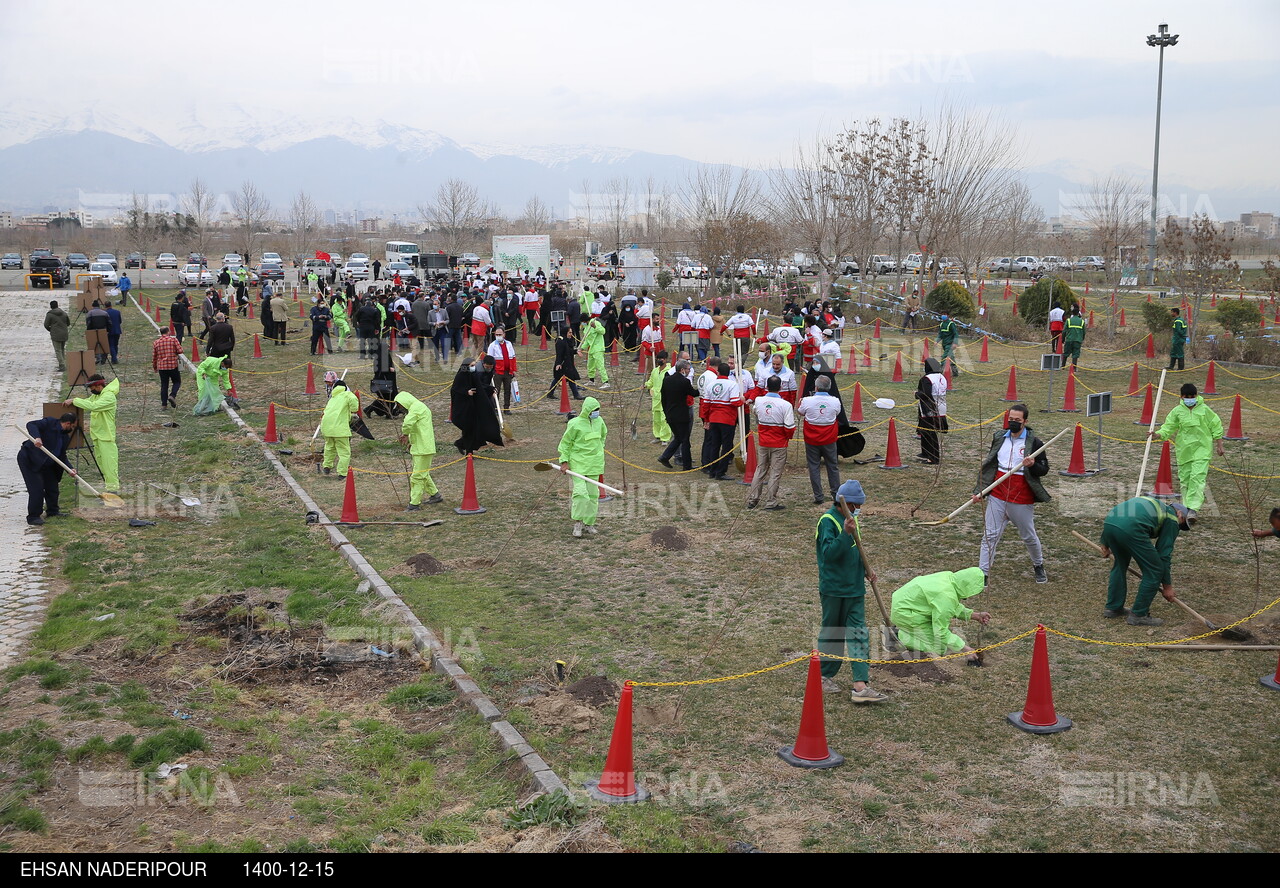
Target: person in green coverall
(336, 428)
(593, 345)
(1197, 431)
(1073, 338)
(1179, 340)
(419, 433)
(212, 379)
(582, 451)
(948, 333)
(101, 405)
(1141, 529)
(661, 431)
(924, 608)
(340, 321)
(842, 589)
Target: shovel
(890, 631)
(108, 499)
(378, 524)
(188, 501)
(550, 466)
(994, 484)
(502, 426)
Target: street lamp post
(1162, 39)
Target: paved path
(27, 378)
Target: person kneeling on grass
(212, 381)
(842, 589)
(924, 608)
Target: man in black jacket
(368, 320)
(677, 391)
(96, 318)
(566, 366)
(222, 337)
(454, 308)
(1014, 500)
(41, 474)
(180, 314)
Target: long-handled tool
(502, 426)
(108, 499)
(994, 484)
(1234, 634)
(889, 631)
(378, 524)
(189, 501)
(550, 466)
(1155, 416)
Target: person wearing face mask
(582, 451)
(1196, 431)
(661, 431)
(842, 590)
(775, 365)
(1014, 500)
(924, 608)
(504, 365)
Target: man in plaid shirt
(164, 360)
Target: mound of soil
(594, 690)
(425, 565)
(927, 672)
(669, 538)
(561, 711)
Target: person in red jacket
(821, 413)
(776, 420)
(719, 412)
(504, 365)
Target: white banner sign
(522, 252)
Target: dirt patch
(652, 716)
(562, 711)
(424, 565)
(594, 690)
(926, 672)
(669, 538)
(900, 511)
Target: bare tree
(618, 208)
(198, 204)
(252, 211)
(536, 218)
(1115, 208)
(304, 222)
(140, 224)
(821, 205)
(1200, 262)
(457, 215)
(723, 205)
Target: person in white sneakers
(821, 412)
(776, 421)
(1014, 500)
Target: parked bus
(402, 251)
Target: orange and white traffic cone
(1038, 715)
(617, 784)
(810, 749)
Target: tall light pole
(1162, 39)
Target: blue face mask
(1190, 402)
(595, 414)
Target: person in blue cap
(842, 589)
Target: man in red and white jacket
(504, 365)
(785, 336)
(481, 322)
(776, 420)
(742, 324)
(644, 310)
(784, 374)
(531, 302)
(721, 400)
(821, 412)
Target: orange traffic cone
(1133, 380)
(984, 358)
(542, 346)
(1210, 382)
(892, 460)
(1122, 320)
(613, 358)
(148, 305)
(564, 397)
(1069, 396)
(1090, 319)
(876, 333)
(853, 357)
(270, 437)
(1271, 682)
(1075, 467)
(257, 346)
(1151, 345)
(855, 407)
(866, 353)
(231, 382)
(302, 310)
(1164, 476)
(1011, 392)
(810, 749)
(320, 345)
(924, 350)
(1038, 715)
(946, 374)
(1015, 306)
(470, 502)
(897, 369)
(1235, 431)
(311, 381)
(251, 311)
(604, 496)
(195, 350)
(749, 464)
(1146, 410)
(350, 514)
(617, 784)
(524, 334)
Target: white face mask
(1190, 402)
(595, 414)
(817, 367)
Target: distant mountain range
(380, 168)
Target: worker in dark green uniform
(948, 333)
(1179, 340)
(1073, 337)
(1141, 529)
(842, 576)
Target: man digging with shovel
(842, 589)
(1142, 529)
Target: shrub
(1238, 317)
(1157, 318)
(664, 279)
(951, 298)
(1034, 302)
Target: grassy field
(935, 768)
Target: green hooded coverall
(593, 344)
(1195, 428)
(842, 590)
(420, 431)
(102, 432)
(924, 608)
(582, 451)
(336, 427)
(212, 380)
(1141, 529)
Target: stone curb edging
(424, 640)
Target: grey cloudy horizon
(717, 82)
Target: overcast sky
(717, 81)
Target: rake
(108, 499)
